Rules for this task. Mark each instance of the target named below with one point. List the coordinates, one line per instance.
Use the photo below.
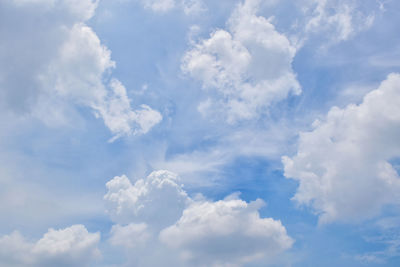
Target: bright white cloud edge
(343, 164)
(68, 69)
(248, 66)
(156, 214)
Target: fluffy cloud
(62, 64)
(249, 65)
(72, 246)
(119, 116)
(343, 165)
(225, 233)
(157, 200)
(156, 217)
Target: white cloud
(159, 223)
(119, 116)
(228, 232)
(157, 200)
(341, 18)
(343, 164)
(249, 66)
(72, 246)
(63, 63)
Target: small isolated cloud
(157, 219)
(341, 18)
(72, 246)
(248, 66)
(120, 118)
(343, 164)
(66, 69)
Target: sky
(141, 133)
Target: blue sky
(199, 133)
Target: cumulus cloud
(62, 64)
(344, 164)
(248, 65)
(130, 236)
(72, 246)
(157, 200)
(156, 217)
(228, 232)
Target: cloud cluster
(248, 65)
(156, 217)
(72, 246)
(344, 164)
(48, 72)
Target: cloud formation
(344, 164)
(228, 232)
(341, 18)
(45, 73)
(72, 246)
(156, 217)
(248, 65)
(157, 200)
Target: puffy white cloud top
(157, 200)
(343, 164)
(226, 233)
(249, 65)
(72, 246)
(156, 217)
